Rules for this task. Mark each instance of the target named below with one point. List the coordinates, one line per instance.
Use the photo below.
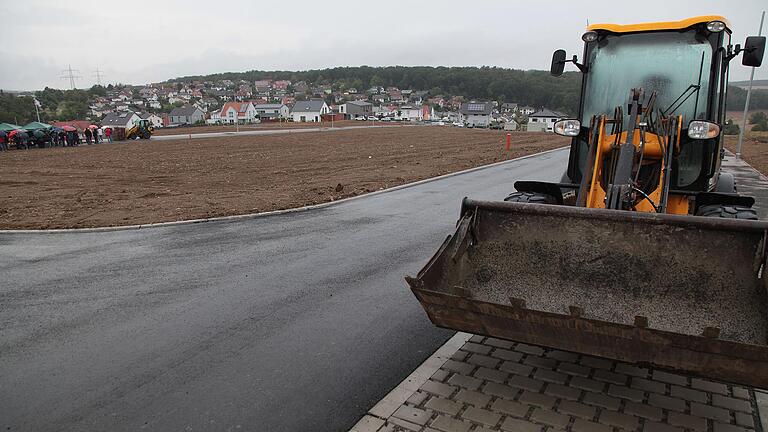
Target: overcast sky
(141, 41)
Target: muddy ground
(753, 150)
(264, 126)
(145, 182)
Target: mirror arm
(582, 67)
(737, 50)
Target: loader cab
(684, 62)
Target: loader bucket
(676, 292)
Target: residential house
(543, 120)
(155, 120)
(309, 111)
(123, 119)
(508, 107)
(188, 114)
(527, 110)
(238, 112)
(476, 114)
(356, 108)
(511, 125)
(410, 112)
(272, 112)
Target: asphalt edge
(275, 212)
(377, 416)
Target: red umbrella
(13, 133)
(69, 128)
(93, 127)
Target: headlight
(569, 128)
(715, 26)
(589, 36)
(698, 129)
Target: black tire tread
(727, 212)
(530, 197)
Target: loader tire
(727, 211)
(530, 197)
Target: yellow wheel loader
(141, 129)
(644, 252)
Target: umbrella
(69, 128)
(37, 125)
(9, 127)
(93, 127)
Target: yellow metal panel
(655, 26)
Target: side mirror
(558, 62)
(754, 48)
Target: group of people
(56, 137)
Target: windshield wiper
(695, 87)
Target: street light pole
(749, 94)
(37, 105)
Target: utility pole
(71, 75)
(37, 108)
(749, 94)
(98, 75)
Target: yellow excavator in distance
(644, 252)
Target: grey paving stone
(499, 343)
(601, 400)
(587, 384)
(483, 360)
(643, 410)
(460, 356)
(562, 355)
(529, 349)
(526, 383)
(440, 375)
(460, 367)
(505, 354)
(650, 426)
(477, 339)
(465, 381)
(626, 393)
(491, 375)
(550, 376)
(516, 368)
(447, 424)
(622, 421)
(574, 369)
(438, 388)
(562, 391)
(413, 415)
(472, 397)
(476, 348)
(687, 421)
(509, 407)
(670, 378)
(595, 362)
(577, 409)
(501, 390)
(444, 406)
(417, 398)
(611, 377)
(515, 425)
(632, 370)
(404, 424)
(747, 420)
(720, 427)
(710, 412)
(648, 385)
(540, 362)
(688, 393)
(537, 399)
(731, 403)
(741, 392)
(550, 418)
(581, 425)
(666, 402)
(709, 386)
(482, 416)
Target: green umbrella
(9, 127)
(37, 125)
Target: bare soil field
(145, 182)
(754, 150)
(262, 126)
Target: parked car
(360, 118)
(372, 118)
(458, 124)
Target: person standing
(88, 135)
(95, 135)
(108, 133)
(3, 140)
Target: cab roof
(656, 26)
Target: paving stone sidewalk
(497, 385)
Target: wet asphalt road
(290, 322)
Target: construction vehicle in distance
(141, 129)
(644, 252)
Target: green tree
(730, 128)
(758, 117)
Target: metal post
(37, 111)
(749, 93)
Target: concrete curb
(376, 416)
(275, 212)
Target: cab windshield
(667, 63)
